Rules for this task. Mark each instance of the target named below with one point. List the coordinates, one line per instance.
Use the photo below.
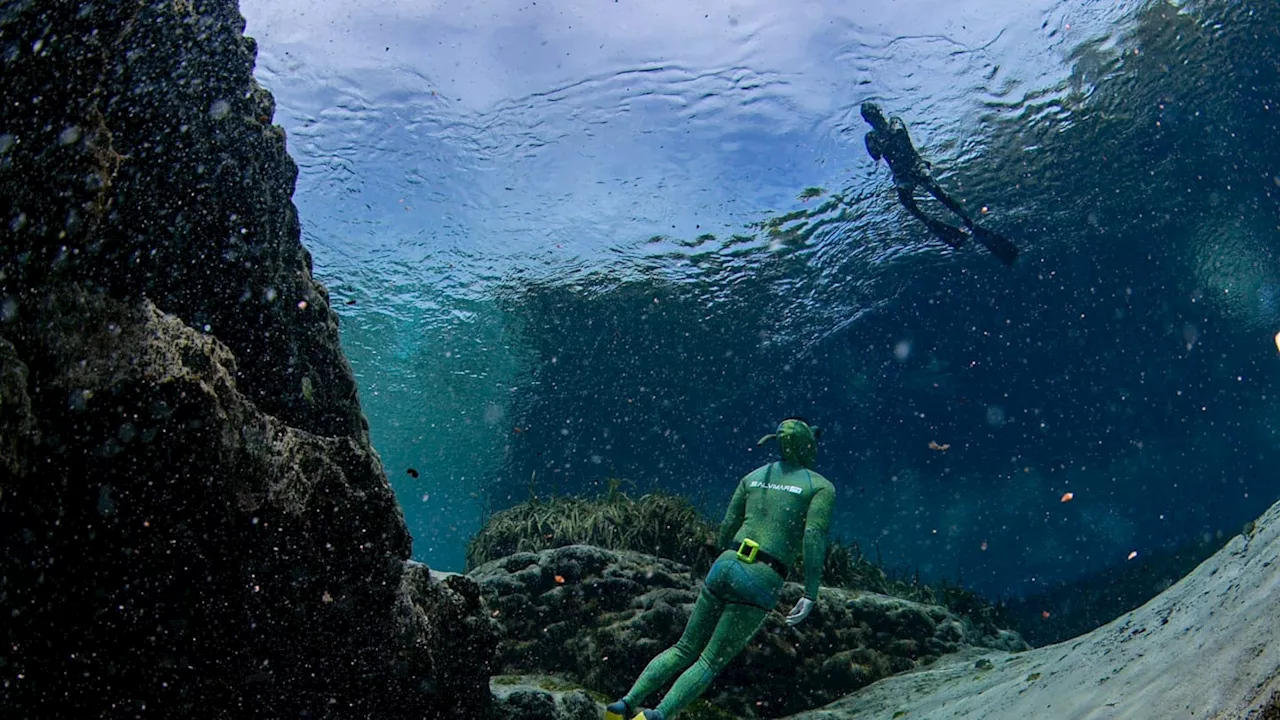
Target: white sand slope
(1208, 647)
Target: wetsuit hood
(873, 115)
(797, 440)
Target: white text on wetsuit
(770, 486)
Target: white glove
(800, 611)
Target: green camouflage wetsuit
(785, 507)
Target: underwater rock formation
(1207, 647)
(137, 156)
(598, 616)
(541, 697)
(193, 520)
(171, 547)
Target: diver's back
(777, 503)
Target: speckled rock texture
(170, 547)
(193, 521)
(598, 616)
(137, 156)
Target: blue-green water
(547, 229)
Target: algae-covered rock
(659, 524)
(599, 616)
(541, 697)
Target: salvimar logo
(771, 486)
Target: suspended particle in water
(411, 473)
(1132, 554)
(1067, 496)
(494, 414)
(902, 350)
(219, 109)
(1278, 341)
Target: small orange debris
(1133, 554)
(1066, 497)
(933, 445)
(1044, 614)
(559, 579)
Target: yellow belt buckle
(749, 556)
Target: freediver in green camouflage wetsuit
(777, 511)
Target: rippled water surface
(573, 240)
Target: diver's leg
(738, 624)
(993, 241)
(948, 234)
(951, 204)
(702, 623)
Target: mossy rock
(659, 524)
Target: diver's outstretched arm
(872, 141)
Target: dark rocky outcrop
(193, 520)
(598, 616)
(137, 156)
(169, 546)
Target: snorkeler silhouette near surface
(888, 139)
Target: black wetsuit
(910, 171)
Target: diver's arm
(733, 516)
(815, 539)
(873, 145)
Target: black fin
(998, 244)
